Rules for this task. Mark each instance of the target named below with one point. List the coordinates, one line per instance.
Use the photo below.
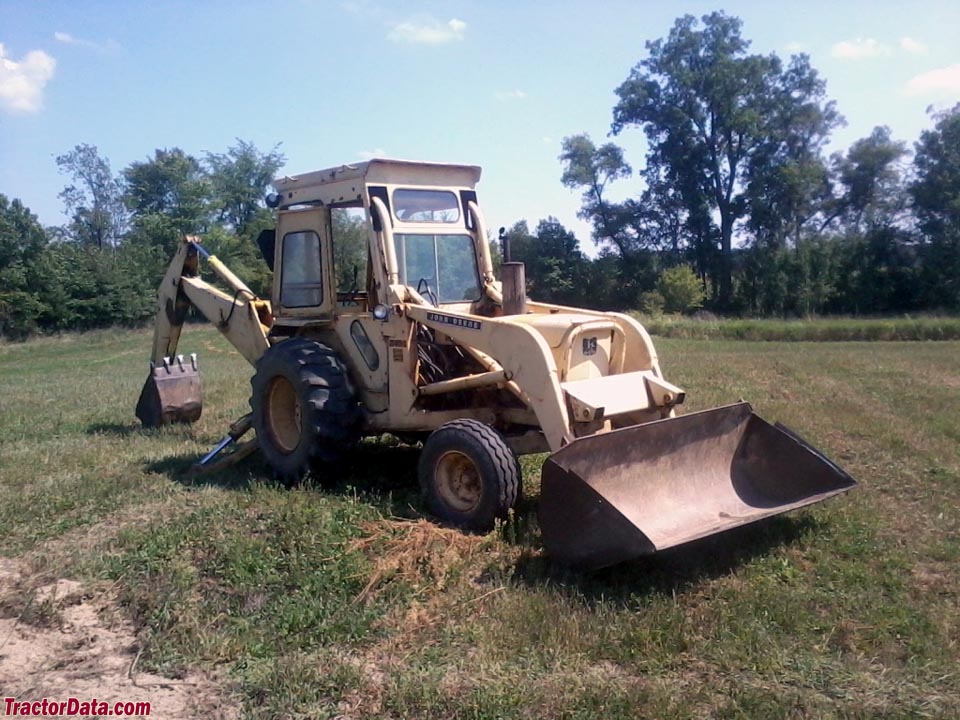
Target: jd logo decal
(456, 321)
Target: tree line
(738, 189)
(102, 267)
(741, 210)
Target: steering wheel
(423, 287)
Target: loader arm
(520, 352)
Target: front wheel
(468, 474)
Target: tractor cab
(414, 227)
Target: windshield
(442, 268)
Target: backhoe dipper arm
(172, 303)
(243, 318)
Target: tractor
(427, 344)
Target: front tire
(468, 474)
(304, 408)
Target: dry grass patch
(420, 554)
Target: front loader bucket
(171, 394)
(615, 496)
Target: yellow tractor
(430, 345)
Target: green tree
(787, 177)
(85, 288)
(711, 112)
(864, 268)
(521, 242)
(593, 168)
(668, 217)
(615, 283)
(558, 265)
(239, 180)
(555, 269)
(22, 238)
(936, 203)
(22, 242)
(878, 272)
(93, 199)
(870, 183)
(168, 197)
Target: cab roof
(344, 184)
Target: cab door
(303, 261)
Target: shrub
(681, 289)
(651, 303)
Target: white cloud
(68, 39)
(939, 82)
(22, 82)
(371, 154)
(859, 49)
(504, 95)
(427, 31)
(912, 46)
(363, 8)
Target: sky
(491, 83)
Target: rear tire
(304, 408)
(468, 474)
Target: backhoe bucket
(171, 393)
(615, 496)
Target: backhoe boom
(242, 317)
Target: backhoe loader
(428, 345)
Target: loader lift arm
(172, 391)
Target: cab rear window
(439, 206)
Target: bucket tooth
(172, 393)
(615, 496)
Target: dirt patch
(68, 643)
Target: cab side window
(302, 278)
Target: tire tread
(507, 469)
(331, 417)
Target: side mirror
(267, 242)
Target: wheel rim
(283, 415)
(458, 481)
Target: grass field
(341, 600)
(810, 329)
